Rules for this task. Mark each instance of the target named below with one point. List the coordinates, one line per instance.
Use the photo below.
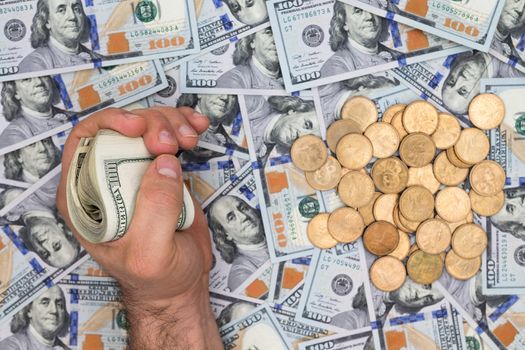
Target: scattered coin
(433, 236)
(447, 173)
(317, 232)
(453, 204)
(387, 274)
(447, 132)
(326, 177)
(420, 116)
(423, 176)
(354, 151)
(486, 111)
(424, 268)
(384, 138)
(390, 175)
(361, 110)
(417, 150)
(398, 223)
(384, 207)
(338, 129)
(416, 203)
(356, 189)
(397, 123)
(413, 248)
(469, 241)
(411, 225)
(487, 206)
(345, 225)
(367, 211)
(381, 238)
(309, 153)
(453, 158)
(461, 269)
(487, 178)
(403, 247)
(473, 146)
(392, 110)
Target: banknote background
(266, 73)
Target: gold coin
(420, 116)
(384, 208)
(487, 206)
(356, 189)
(390, 175)
(397, 221)
(354, 151)
(452, 204)
(403, 247)
(424, 268)
(413, 248)
(454, 225)
(416, 203)
(433, 236)
(317, 232)
(417, 150)
(338, 129)
(392, 110)
(487, 178)
(447, 132)
(387, 274)
(469, 241)
(462, 269)
(326, 177)
(453, 158)
(384, 138)
(345, 225)
(423, 176)
(309, 153)
(410, 225)
(397, 123)
(473, 146)
(361, 110)
(486, 111)
(447, 173)
(367, 211)
(381, 238)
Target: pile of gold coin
(414, 208)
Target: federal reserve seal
(15, 30)
(520, 123)
(146, 11)
(308, 207)
(342, 285)
(313, 35)
(171, 89)
(519, 255)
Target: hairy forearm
(184, 323)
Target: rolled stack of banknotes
(265, 73)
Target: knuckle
(161, 194)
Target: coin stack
(415, 207)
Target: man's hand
(163, 274)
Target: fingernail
(198, 115)
(186, 131)
(131, 115)
(168, 166)
(166, 138)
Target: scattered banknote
(99, 33)
(466, 22)
(315, 47)
(257, 286)
(228, 307)
(287, 277)
(355, 340)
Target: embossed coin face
(487, 206)
(447, 132)
(433, 236)
(338, 129)
(356, 189)
(309, 153)
(387, 273)
(390, 175)
(423, 176)
(345, 225)
(487, 178)
(392, 110)
(424, 268)
(453, 204)
(447, 173)
(473, 146)
(384, 207)
(384, 138)
(420, 116)
(381, 238)
(417, 150)
(397, 123)
(317, 232)
(403, 247)
(460, 268)
(367, 211)
(416, 203)
(411, 225)
(361, 110)
(453, 158)
(326, 177)
(486, 111)
(469, 241)
(354, 151)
